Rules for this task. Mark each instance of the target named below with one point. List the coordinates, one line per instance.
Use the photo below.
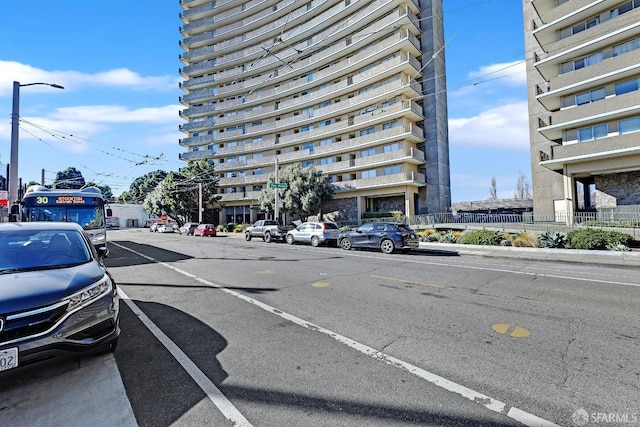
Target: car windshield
(38, 249)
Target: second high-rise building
(355, 88)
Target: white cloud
(121, 114)
(506, 127)
(11, 71)
(512, 73)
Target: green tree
(177, 195)
(70, 178)
(142, 186)
(307, 189)
(105, 189)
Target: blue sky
(117, 117)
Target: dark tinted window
(330, 225)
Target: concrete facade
(354, 88)
(583, 75)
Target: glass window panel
(629, 125)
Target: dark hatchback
(56, 297)
(387, 237)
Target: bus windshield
(85, 207)
(89, 217)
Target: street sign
(277, 185)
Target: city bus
(85, 207)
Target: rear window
(330, 225)
(405, 228)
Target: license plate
(8, 358)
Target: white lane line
(493, 269)
(213, 393)
(476, 397)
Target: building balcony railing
(244, 195)
(196, 155)
(201, 124)
(403, 178)
(607, 150)
(198, 111)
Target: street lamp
(15, 123)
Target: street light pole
(15, 126)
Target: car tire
(346, 244)
(289, 239)
(387, 246)
(267, 237)
(247, 237)
(315, 241)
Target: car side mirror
(103, 252)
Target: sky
(117, 117)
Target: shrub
(240, 228)
(448, 237)
(597, 239)
(222, 228)
(481, 237)
(526, 240)
(553, 239)
(346, 228)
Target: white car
(314, 233)
(167, 228)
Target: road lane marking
(408, 259)
(213, 393)
(472, 395)
(320, 284)
(411, 282)
(517, 332)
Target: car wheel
(267, 237)
(345, 244)
(247, 237)
(315, 241)
(289, 239)
(387, 246)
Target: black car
(56, 296)
(385, 236)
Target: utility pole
(276, 191)
(199, 203)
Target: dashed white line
(224, 405)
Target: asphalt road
(219, 331)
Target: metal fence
(626, 222)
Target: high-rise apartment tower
(583, 73)
(355, 88)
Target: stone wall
(341, 211)
(617, 189)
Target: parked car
(154, 227)
(267, 229)
(167, 228)
(57, 297)
(188, 228)
(205, 230)
(315, 233)
(387, 237)
(112, 222)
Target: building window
(591, 96)
(391, 147)
(327, 141)
(367, 131)
(629, 125)
(307, 163)
(368, 152)
(581, 63)
(371, 173)
(625, 7)
(593, 132)
(392, 170)
(326, 160)
(626, 47)
(307, 147)
(390, 125)
(628, 86)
